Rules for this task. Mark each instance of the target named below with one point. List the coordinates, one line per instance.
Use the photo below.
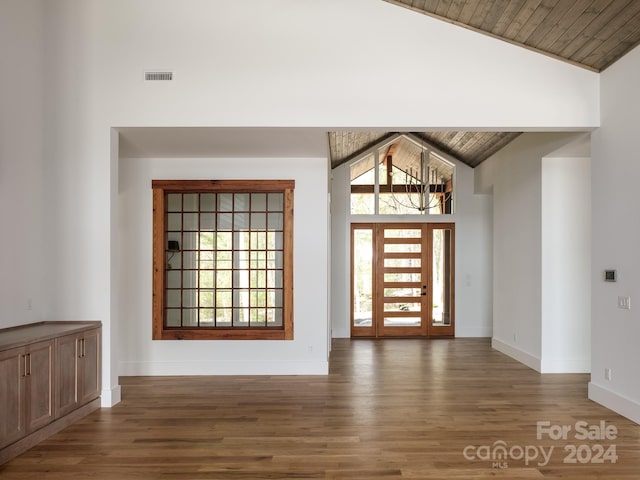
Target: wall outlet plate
(624, 303)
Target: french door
(402, 279)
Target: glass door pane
(362, 274)
(442, 280)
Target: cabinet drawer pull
(26, 365)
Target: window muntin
(222, 255)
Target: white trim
(111, 397)
(566, 365)
(614, 401)
(473, 332)
(521, 356)
(319, 367)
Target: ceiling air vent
(162, 76)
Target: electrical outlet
(515, 337)
(607, 374)
(624, 303)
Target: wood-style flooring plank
(389, 409)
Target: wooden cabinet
(38, 384)
(50, 375)
(12, 394)
(26, 378)
(78, 370)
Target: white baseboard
(110, 397)
(517, 354)
(566, 365)
(474, 332)
(613, 401)
(320, 367)
(340, 332)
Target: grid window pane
(190, 221)
(258, 202)
(225, 221)
(206, 318)
(207, 221)
(174, 202)
(173, 317)
(207, 202)
(190, 202)
(225, 202)
(206, 279)
(241, 221)
(240, 317)
(173, 298)
(241, 202)
(276, 319)
(258, 317)
(174, 222)
(275, 202)
(276, 221)
(189, 317)
(206, 299)
(223, 317)
(259, 221)
(189, 298)
(225, 265)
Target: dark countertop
(37, 332)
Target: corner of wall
(521, 356)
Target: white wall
(615, 240)
(291, 64)
(23, 239)
(566, 265)
(306, 354)
(515, 175)
(472, 218)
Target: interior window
(223, 259)
(404, 177)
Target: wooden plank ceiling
(592, 34)
(471, 148)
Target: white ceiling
(202, 142)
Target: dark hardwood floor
(389, 409)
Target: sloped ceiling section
(471, 148)
(592, 34)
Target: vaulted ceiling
(470, 148)
(591, 34)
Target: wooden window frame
(160, 190)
